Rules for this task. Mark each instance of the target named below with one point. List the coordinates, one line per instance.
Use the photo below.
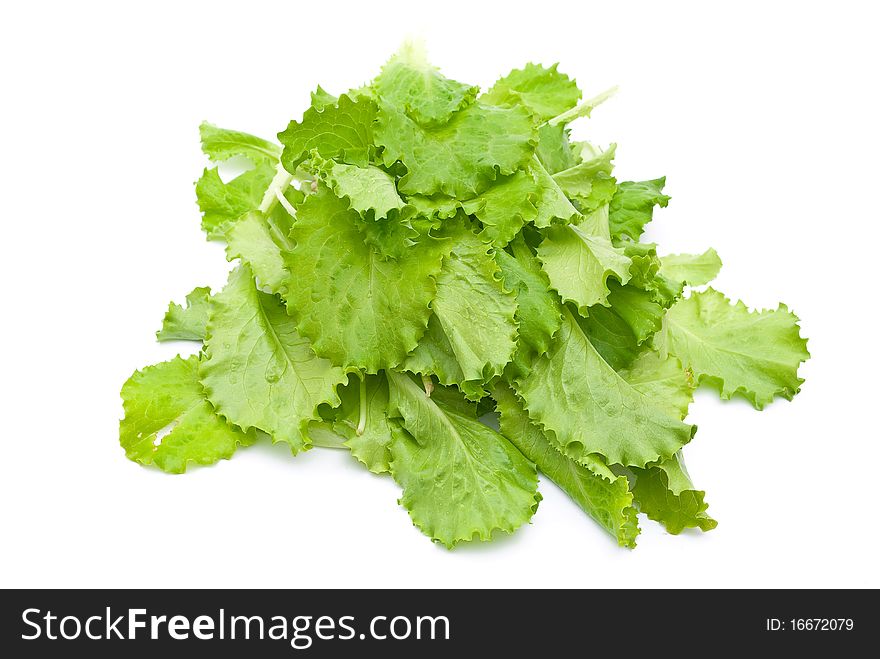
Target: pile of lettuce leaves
(442, 282)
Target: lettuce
(446, 285)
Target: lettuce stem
(362, 419)
(276, 188)
(428, 384)
(286, 204)
(583, 109)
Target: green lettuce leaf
(664, 491)
(505, 207)
(645, 262)
(554, 150)
(439, 206)
(663, 379)
(633, 207)
(168, 421)
(573, 393)
(187, 323)
(362, 421)
(474, 311)
(666, 494)
(321, 98)
(359, 308)
(579, 265)
(602, 191)
(220, 144)
(602, 495)
(637, 308)
(409, 82)
(552, 203)
(595, 223)
(460, 478)
(579, 180)
(223, 203)
(544, 91)
(370, 191)
(611, 336)
(462, 157)
(538, 313)
(589, 182)
(261, 241)
(259, 372)
(645, 273)
(393, 237)
(343, 131)
(435, 356)
(529, 195)
(754, 354)
(692, 269)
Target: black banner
(316, 623)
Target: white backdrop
(763, 116)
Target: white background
(762, 115)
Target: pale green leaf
(529, 195)
(579, 265)
(409, 82)
(259, 372)
(169, 422)
(434, 356)
(663, 380)
(223, 203)
(754, 354)
(538, 313)
(505, 207)
(371, 191)
(637, 309)
(221, 144)
(645, 273)
(460, 478)
(666, 494)
(578, 180)
(602, 495)
(362, 420)
(462, 157)
(438, 206)
(611, 336)
(552, 203)
(359, 308)
(602, 190)
(595, 223)
(554, 150)
(393, 237)
(573, 393)
(544, 91)
(321, 98)
(633, 207)
(692, 269)
(475, 312)
(261, 242)
(645, 262)
(343, 131)
(187, 323)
